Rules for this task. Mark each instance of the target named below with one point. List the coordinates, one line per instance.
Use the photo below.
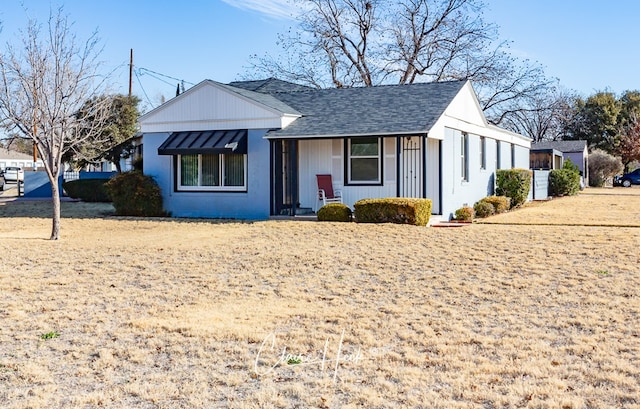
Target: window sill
(227, 190)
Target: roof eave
(349, 135)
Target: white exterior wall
(326, 156)
(522, 157)
(461, 117)
(456, 192)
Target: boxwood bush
(500, 203)
(515, 184)
(393, 210)
(483, 208)
(565, 181)
(135, 194)
(334, 212)
(87, 190)
(465, 214)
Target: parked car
(628, 179)
(13, 174)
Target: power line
(142, 88)
(141, 69)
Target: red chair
(326, 193)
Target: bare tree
(45, 80)
(344, 43)
(542, 116)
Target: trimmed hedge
(334, 212)
(483, 209)
(563, 182)
(87, 190)
(465, 214)
(515, 184)
(135, 194)
(393, 210)
(500, 204)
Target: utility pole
(131, 73)
(35, 131)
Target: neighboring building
(577, 151)
(13, 158)
(253, 149)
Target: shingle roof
(387, 109)
(269, 86)
(562, 146)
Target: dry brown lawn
(539, 309)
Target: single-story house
(14, 158)
(577, 151)
(252, 149)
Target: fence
(540, 185)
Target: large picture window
(364, 161)
(212, 172)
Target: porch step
(305, 211)
(300, 211)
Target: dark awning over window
(205, 142)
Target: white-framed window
(364, 163)
(498, 156)
(483, 152)
(464, 157)
(211, 172)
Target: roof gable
(380, 110)
(210, 103)
(466, 107)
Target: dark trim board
(440, 177)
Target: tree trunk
(55, 201)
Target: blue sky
(588, 45)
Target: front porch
(361, 167)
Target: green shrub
(334, 212)
(565, 181)
(513, 183)
(483, 209)
(465, 214)
(393, 210)
(500, 203)
(87, 190)
(135, 194)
